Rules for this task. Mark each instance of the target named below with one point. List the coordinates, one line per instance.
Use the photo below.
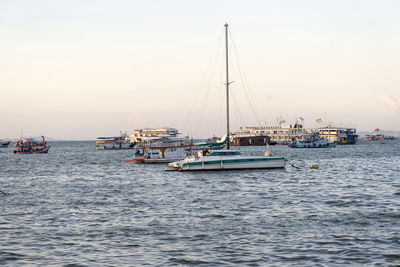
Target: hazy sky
(82, 69)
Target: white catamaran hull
(228, 164)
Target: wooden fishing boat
(31, 146)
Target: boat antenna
(227, 85)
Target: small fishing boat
(4, 143)
(226, 159)
(376, 136)
(31, 146)
(313, 141)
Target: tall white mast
(227, 84)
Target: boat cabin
(213, 153)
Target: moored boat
(376, 136)
(4, 143)
(313, 141)
(114, 142)
(339, 135)
(260, 135)
(226, 159)
(163, 149)
(31, 146)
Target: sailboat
(226, 159)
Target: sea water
(79, 206)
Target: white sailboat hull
(228, 163)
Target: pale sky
(81, 69)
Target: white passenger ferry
(114, 142)
(281, 134)
(339, 135)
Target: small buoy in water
(315, 166)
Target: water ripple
(80, 207)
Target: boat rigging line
(312, 166)
(291, 164)
(210, 65)
(249, 97)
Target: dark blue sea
(80, 207)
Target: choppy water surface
(77, 205)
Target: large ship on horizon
(281, 134)
(284, 134)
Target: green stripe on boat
(228, 161)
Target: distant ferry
(144, 135)
(4, 143)
(339, 135)
(114, 142)
(283, 134)
(376, 136)
(313, 141)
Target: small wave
(2, 193)
(189, 261)
(9, 256)
(392, 256)
(217, 216)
